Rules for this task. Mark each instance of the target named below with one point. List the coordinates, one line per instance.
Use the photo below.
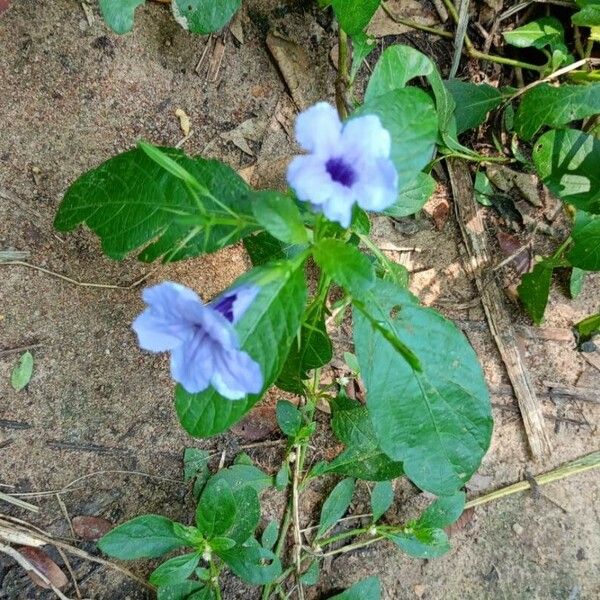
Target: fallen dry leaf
(90, 528)
(465, 519)
(251, 129)
(184, 121)
(236, 28)
(382, 24)
(440, 215)
(4, 4)
(45, 565)
(510, 244)
(258, 425)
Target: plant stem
(355, 546)
(342, 536)
(414, 24)
(343, 78)
(296, 519)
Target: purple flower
(201, 338)
(347, 164)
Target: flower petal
(167, 321)
(377, 188)
(318, 128)
(308, 177)
(236, 374)
(340, 205)
(234, 303)
(365, 137)
(192, 363)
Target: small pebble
(518, 529)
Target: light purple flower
(347, 164)
(201, 338)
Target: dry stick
(106, 286)
(579, 465)
(499, 321)
(20, 348)
(296, 522)
(21, 560)
(19, 503)
(71, 571)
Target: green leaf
(483, 189)
(382, 497)
(247, 515)
(576, 281)
(354, 15)
(204, 16)
(282, 477)
(186, 590)
(413, 197)
(437, 421)
(346, 265)
(289, 418)
(587, 328)
(555, 106)
(362, 46)
(311, 575)
(195, 464)
(175, 569)
(131, 201)
(546, 31)
(280, 216)
(473, 102)
(241, 476)
(21, 374)
(119, 14)
(263, 248)
(443, 512)
(266, 332)
(362, 458)
(335, 505)
(148, 536)
(589, 15)
(410, 117)
(270, 535)
(568, 162)
(534, 289)
(216, 510)
(367, 589)
(249, 562)
(422, 543)
(222, 543)
(585, 252)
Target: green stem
(343, 78)
(355, 546)
(342, 536)
(560, 250)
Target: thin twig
(296, 523)
(19, 503)
(71, 571)
(20, 348)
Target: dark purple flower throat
(225, 306)
(341, 171)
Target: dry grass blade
(18, 502)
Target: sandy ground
(72, 94)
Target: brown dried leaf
(440, 215)
(465, 519)
(90, 528)
(45, 565)
(4, 4)
(258, 425)
(510, 244)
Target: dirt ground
(73, 94)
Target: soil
(72, 95)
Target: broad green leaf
(311, 575)
(367, 589)
(346, 265)
(216, 510)
(263, 248)
(131, 201)
(186, 590)
(422, 543)
(175, 569)
(266, 332)
(589, 15)
(195, 464)
(534, 289)
(553, 106)
(576, 281)
(409, 116)
(568, 162)
(252, 563)
(335, 505)
(222, 543)
(148, 536)
(546, 31)
(282, 477)
(382, 497)
(473, 102)
(483, 189)
(585, 252)
(118, 14)
(413, 197)
(443, 512)
(204, 16)
(270, 535)
(362, 457)
(241, 476)
(354, 15)
(437, 421)
(289, 417)
(280, 217)
(362, 46)
(247, 514)
(21, 374)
